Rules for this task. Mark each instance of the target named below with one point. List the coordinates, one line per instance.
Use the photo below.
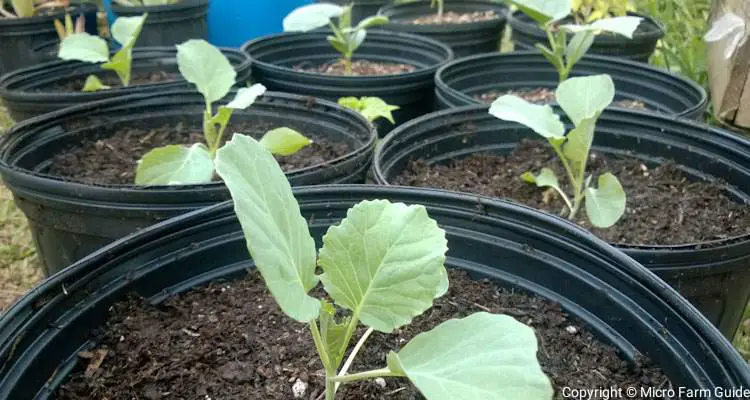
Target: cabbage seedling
(210, 71)
(371, 108)
(383, 265)
(345, 39)
(93, 49)
(583, 100)
(564, 55)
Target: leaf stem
(573, 180)
(375, 373)
(319, 345)
(353, 354)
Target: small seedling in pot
(69, 28)
(371, 108)
(346, 39)
(594, 10)
(30, 8)
(564, 55)
(382, 266)
(93, 49)
(210, 71)
(583, 100)
(145, 3)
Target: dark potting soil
(360, 68)
(113, 159)
(230, 341)
(452, 17)
(137, 78)
(547, 96)
(663, 207)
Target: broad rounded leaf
(540, 118)
(84, 47)
(246, 97)
(578, 46)
(284, 141)
(585, 97)
(356, 38)
(546, 178)
(175, 165)
(313, 16)
(206, 67)
(624, 26)
(125, 30)
(543, 11)
(483, 356)
(276, 233)
(605, 204)
(384, 262)
(93, 84)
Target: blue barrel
(233, 22)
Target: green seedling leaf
(125, 30)
(284, 141)
(371, 22)
(84, 47)
(276, 233)
(246, 97)
(546, 178)
(585, 97)
(624, 26)
(550, 56)
(93, 84)
(175, 165)
(540, 118)
(23, 8)
(605, 204)
(576, 149)
(578, 46)
(356, 38)
(220, 120)
(384, 262)
(121, 63)
(351, 103)
(345, 19)
(444, 284)
(206, 67)
(333, 333)
(337, 44)
(483, 356)
(313, 16)
(543, 11)
(371, 108)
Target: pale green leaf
(345, 19)
(371, 22)
(351, 103)
(605, 204)
(483, 356)
(578, 46)
(356, 38)
(585, 97)
(576, 149)
(309, 17)
(84, 47)
(624, 26)
(276, 233)
(543, 11)
(246, 97)
(539, 118)
(337, 44)
(548, 54)
(545, 178)
(125, 30)
(333, 333)
(375, 107)
(384, 262)
(444, 284)
(204, 65)
(284, 141)
(93, 84)
(121, 63)
(23, 8)
(220, 120)
(175, 165)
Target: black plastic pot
(465, 39)
(170, 24)
(25, 92)
(519, 248)
(275, 57)
(69, 220)
(362, 8)
(715, 276)
(526, 33)
(459, 81)
(20, 36)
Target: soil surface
(452, 17)
(663, 206)
(138, 78)
(361, 68)
(113, 159)
(230, 341)
(547, 96)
